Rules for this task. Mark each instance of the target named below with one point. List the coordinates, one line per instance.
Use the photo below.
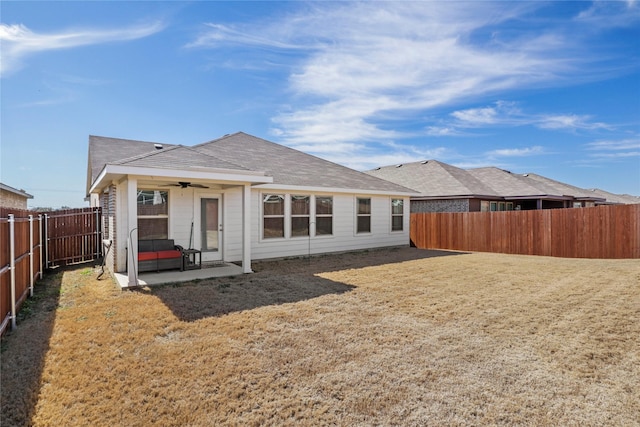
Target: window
(397, 214)
(300, 215)
(493, 206)
(502, 206)
(209, 224)
(153, 214)
(273, 216)
(363, 215)
(324, 215)
(509, 206)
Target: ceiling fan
(184, 184)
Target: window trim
(316, 215)
(158, 216)
(264, 216)
(358, 215)
(401, 215)
(292, 215)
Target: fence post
(46, 237)
(12, 267)
(98, 242)
(40, 273)
(30, 255)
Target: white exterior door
(211, 229)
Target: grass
(392, 337)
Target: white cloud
(516, 152)
(615, 149)
(477, 116)
(570, 121)
(508, 114)
(623, 144)
(358, 66)
(442, 131)
(18, 41)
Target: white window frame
(358, 215)
(263, 216)
(400, 215)
(317, 215)
(159, 216)
(292, 215)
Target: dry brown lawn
(390, 337)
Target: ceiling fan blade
(198, 186)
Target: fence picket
(61, 238)
(598, 232)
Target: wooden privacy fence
(31, 242)
(597, 232)
(21, 251)
(73, 236)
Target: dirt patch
(390, 337)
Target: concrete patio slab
(160, 278)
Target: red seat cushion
(169, 254)
(147, 256)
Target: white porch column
(246, 229)
(132, 231)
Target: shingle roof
(238, 151)
(434, 179)
(292, 167)
(16, 191)
(559, 187)
(615, 198)
(508, 184)
(105, 150)
(178, 157)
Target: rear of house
(239, 198)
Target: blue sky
(546, 87)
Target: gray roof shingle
(508, 184)
(238, 151)
(292, 167)
(178, 157)
(435, 179)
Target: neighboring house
(239, 198)
(13, 198)
(446, 188)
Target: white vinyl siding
(343, 224)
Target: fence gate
(72, 236)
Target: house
(446, 188)
(13, 198)
(238, 198)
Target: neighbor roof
(20, 193)
(435, 179)
(508, 184)
(561, 187)
(615, 198)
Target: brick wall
(454, 205)
(12, 200)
